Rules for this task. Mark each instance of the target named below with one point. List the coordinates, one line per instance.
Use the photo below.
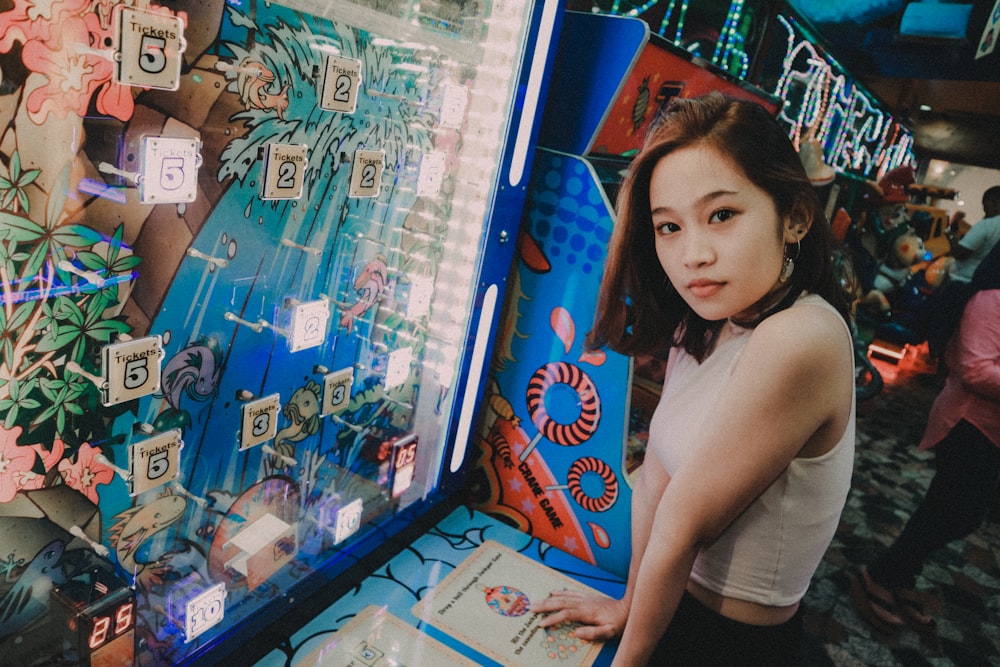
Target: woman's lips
(703, 289)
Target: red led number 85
(102, 624)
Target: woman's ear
(796, 225)
(795, 231)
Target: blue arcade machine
(252, 259)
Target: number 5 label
(149, 49)
(154, 461)
(366, 174)
(131, 369)
(169, 170)
(284, 171)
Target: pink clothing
(972, 389)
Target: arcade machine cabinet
(251, 258)
(564, 429)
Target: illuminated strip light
(478, 363)
(103, 190)
(42, 293)
(534, 89)
(879, 351)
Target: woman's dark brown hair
(638, 310)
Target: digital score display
(99, 610)
(404, 459)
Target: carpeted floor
(961, 583)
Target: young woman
(721, 258)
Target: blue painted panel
(596, 53)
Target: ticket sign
(284, 171)
(169, 170)
(341, 83)
(259, 421)
(431, 177)
(336, 391)
(366, 173)
(455, 101)
(204, 610)
(154, 461)
(348, 520)
(149, 49)
(307, 327)
(131, 369)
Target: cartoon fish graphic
(255, 84)
(28, 599)
(193, 372)
(136, 526)
(370, 286)
(302, 413)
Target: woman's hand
(601, 617)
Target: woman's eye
(722, 215)
(666, 227)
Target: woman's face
(717, 234)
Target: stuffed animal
(903, 249)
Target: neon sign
(857, 136)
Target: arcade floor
(961, 583)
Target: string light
(856, 135)
(730, 46)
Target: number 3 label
(284, 171)
(149, 49)
(154, 461)
(337, 391)
(259, 421)
(366, 174)
(169, 170)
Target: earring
(789, 267)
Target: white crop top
(770, 552)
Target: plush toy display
(902, 250)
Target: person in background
(964, 429)
(721, 258)
(978, 241)
(949, 298)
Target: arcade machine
(252, 256)
(563, 429)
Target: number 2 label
(366, 173)
(308, 324)
(284, 171)
(149, 49)
(341, 83)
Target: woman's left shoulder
(810, 321)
